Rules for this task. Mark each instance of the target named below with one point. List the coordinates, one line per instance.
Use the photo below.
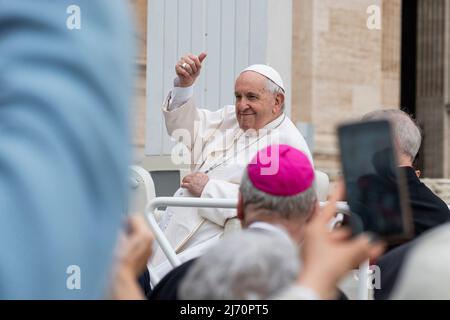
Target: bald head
(406, 133)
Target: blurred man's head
(250, 265)
(406, 133)
(284, 195)
(424, 276)
(259, 96)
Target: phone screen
(376, 190)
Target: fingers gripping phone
(376, 189)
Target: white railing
(179, 202)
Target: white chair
(142, 192)
(322, 184)
(142, 189)
(161, 239)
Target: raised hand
(329, 256)
(188, 69)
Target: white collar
(281, 231)
(274, 124)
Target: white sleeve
(223, 190)
(179, 97)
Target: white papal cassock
(218, 147)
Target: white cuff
(180, 96)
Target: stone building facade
(433, 85)
(341, 68)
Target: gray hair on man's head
(404, 129)
(272, 87)
(298, 206)
(248, 266)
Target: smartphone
(376, 189)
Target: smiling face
(256, 106)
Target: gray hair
(248, 266)
(297, 206)
(404, 129)
(272, 87)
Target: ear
(279, 101)
(240, 208)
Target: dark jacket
(167, 288)
(429, 211)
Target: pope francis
(219, 145)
